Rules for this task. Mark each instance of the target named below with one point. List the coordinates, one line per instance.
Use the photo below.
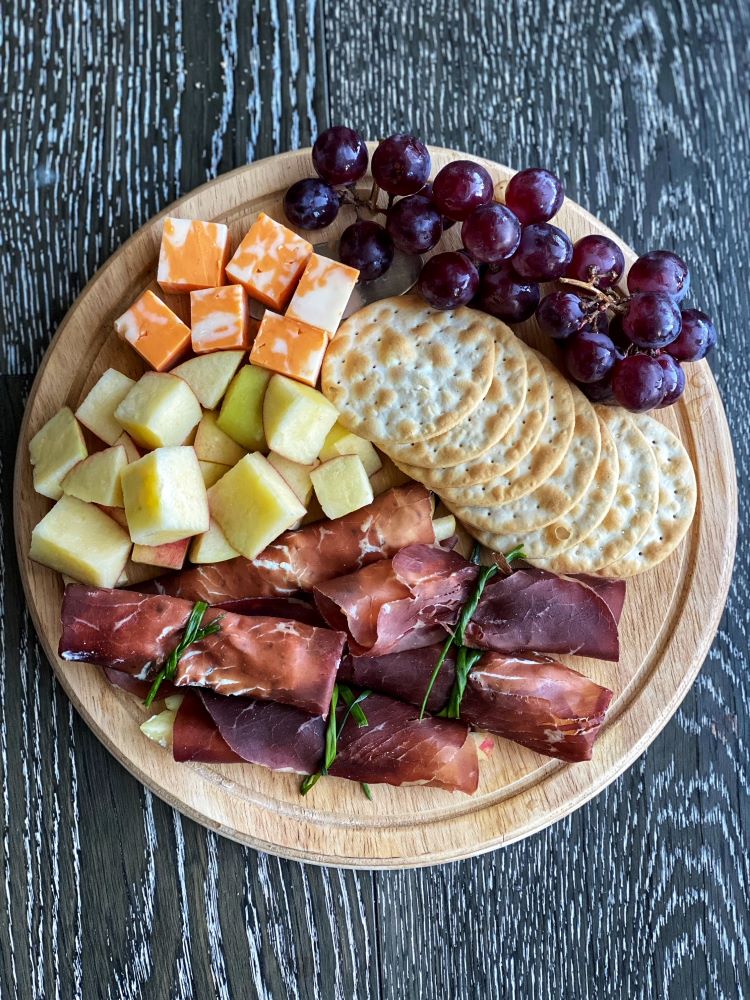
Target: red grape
(598, 392)
(368, 247)
(697, 336)
(674, 380)
(561, 314)
(491, 233)
(543, 253)
(414, 224)
(638, 382)
(651, 320)
(340, 155)
(311, 204)
(426, 192)
(616, 334)
(597, 260)
(503, 294)
(448, 280)
(401, 164)
(590, 356)
(535, 195)
(660, 271)
(460, 187)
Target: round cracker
(538, 463)
(553, 496)
(632, 510)
(398, 370)
(515, 444)
(678, 494)
(575, 523)
(491, 419)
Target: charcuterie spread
(354, 544)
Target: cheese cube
(77, 539)
(193, 255)
(253, 505)
(165, 499)
(208, 375)
(159, 410)
(212, 546)
(287, 346)
(213, 445)
(269, 261)
(296, 419)
(340, 441)
(97, 478)
(54, 450)
(97, 411)
(150, 326)
(322, 293)
(219, 319)
(341, 485)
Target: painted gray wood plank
(111, 110)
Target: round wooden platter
(671, 613)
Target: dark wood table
(113, 109)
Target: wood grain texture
(643, 110)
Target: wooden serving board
(670, 618)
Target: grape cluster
(622, 347)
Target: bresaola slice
(195, 737)
(403, 675)
(268, 658)
(298, 560)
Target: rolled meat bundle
(403, 675)
(274, 659)
(298, 560)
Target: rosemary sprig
(193, 633)
(334, 729)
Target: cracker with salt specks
(556, 494)
(539, 462)
(575, 523)
(399, 371)
(678, 494)
(477, 433)
(632, 510)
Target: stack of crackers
(514, 450)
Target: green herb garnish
(367, 790)
(334, 729)
(193, 633)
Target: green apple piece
(341, 485)
(212, 444)
(241, 415)
(97, 411)
(160, 411)
(80, 541)
(159, 727)
(253, 505)
(97, 478)
(208, 375)
(131, 451)
(54, 450)
(212, 546)
(296, 419)
(340, 441)
(296, 476)
(212, 472)
(165, 499)
(444, 527)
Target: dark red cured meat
(276, 607)
(135, 686)
(263, 657)
(398, 604)
(404, 675)
(612, 592)
(536, 702)
(399, 749)
(195, 735)
(299, 560)
(536, 610)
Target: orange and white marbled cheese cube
(289, 347)
(322, 293)
(150, 326)
(219, 319)
(193, 255)
(269, 261)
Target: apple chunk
(241, 415)
(341, 485)
(209, 375)
(53, 452)
(212, 546)
(212, 472)
(295, 475)
(296, 419)
(213, 445)
(340, 441)
(97, 478)
(165, 499)
(169, 556)
(253, 505)
(97, 411)
(159, 411)
(79, 540)
(132, 453)
(387, 477)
